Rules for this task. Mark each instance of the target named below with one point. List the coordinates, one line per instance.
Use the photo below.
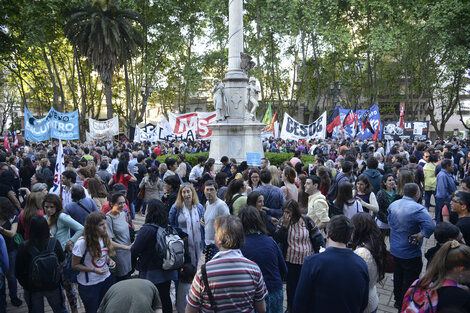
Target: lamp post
(335, 88)
(146, 93)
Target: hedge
(274, 158)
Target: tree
(104, 33)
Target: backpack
(170, 247)
(420, 300)
(333, 191)
(45, 268)
(316, 238)
(231, 202)
(414, 172)
(188, 169)
(333, 209)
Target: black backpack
(231, 202)
(333, 191)
(333, 209)
(188, 169)
(44, 271)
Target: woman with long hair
(117, 225)
(264, 251)
(385, 196)
(33, 207)
(84, 175)
(144, 255)
(234, 196)
(303, 196)
(26, 171)
(153, 185)
(345, 200)
(8, 228)
(60, 225)
(325, 184)
(294, 236)
(368, 242)
(404, 177)
(289, 189)
(97, 192)
(276, 176)
(253, 180)
(363, 192)
(256, 199)
(40, 240)
(185, 216)
(122, 176)
(447, 275)
(221, 179)
(91, 257)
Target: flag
(15, 141)
(270, 126)
(401, 123)
(333, 120)
(58, 169)
(365, 122)
(377, 132)
(268, 116)
(6, 142)
(349, 119)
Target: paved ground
(385, 288)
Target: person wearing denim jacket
(445, 187)
(410, 222)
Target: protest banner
(412, 130)
(54, 125)
(293, 130)
(192, 125)
(362, 134)
(103, 129)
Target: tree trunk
(55, 91)
(109, 100)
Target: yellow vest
(430, 180)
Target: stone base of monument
(235, 140)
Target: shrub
(190, 158)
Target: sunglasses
(456, 201)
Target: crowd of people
(326, 233)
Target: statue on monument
(220, 102)
(252, 99)
(246, 63)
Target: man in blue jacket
(373, 174)
(336, 280)
(445, 187)
(410, 222)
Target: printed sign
(413, 131)
(195, 122)
(104, 129)
(253, 159)
(293, 130)
(54, 125)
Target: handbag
(141, 193)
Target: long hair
(251, 172)
(7, 210)
(38, 233)
(96, 188)
(275, 176)
(449, 256)
(367, 234)
(303, 196)
(363, 178)
(55, 200)
(344, 195)
(153, 174)
(404, 177)
(289, 174)
(383, 183)
(121, 169)
(157, 213)
(252, 221)
(253, 198)
(92, 235)
(324, 177)
(293, 206)
(32, 205)
(233, 188)
(179, 200)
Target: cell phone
(412, 240)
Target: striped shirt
(235, 282)
(299, 246)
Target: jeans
(293, 275)
(274, 301)
(439, 204)
(92, 295)
(12, 283)
(137, 204)
(55, 298)
(164, 291)
(427, 198)
(144, 207)
(406, 272)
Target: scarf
(194, 233)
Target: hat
(39, 187)
(119, 188)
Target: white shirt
(196, 173)
(93, 278)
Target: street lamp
(146, 93)
(335, 89)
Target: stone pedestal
(235, 140)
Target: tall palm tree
(106, 35)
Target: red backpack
(423, 300)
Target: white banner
(192, 124)
(104, 129)
(160, 132)
(293, 130)
(58, 169)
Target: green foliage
(279, 158)
(190, 158)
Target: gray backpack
(170, 247)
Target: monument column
(235, 30)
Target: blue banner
(350, 132)
(54, 125)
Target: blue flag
(54, 125)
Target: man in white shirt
(196, 172)
(317, 205)
(214, 207)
